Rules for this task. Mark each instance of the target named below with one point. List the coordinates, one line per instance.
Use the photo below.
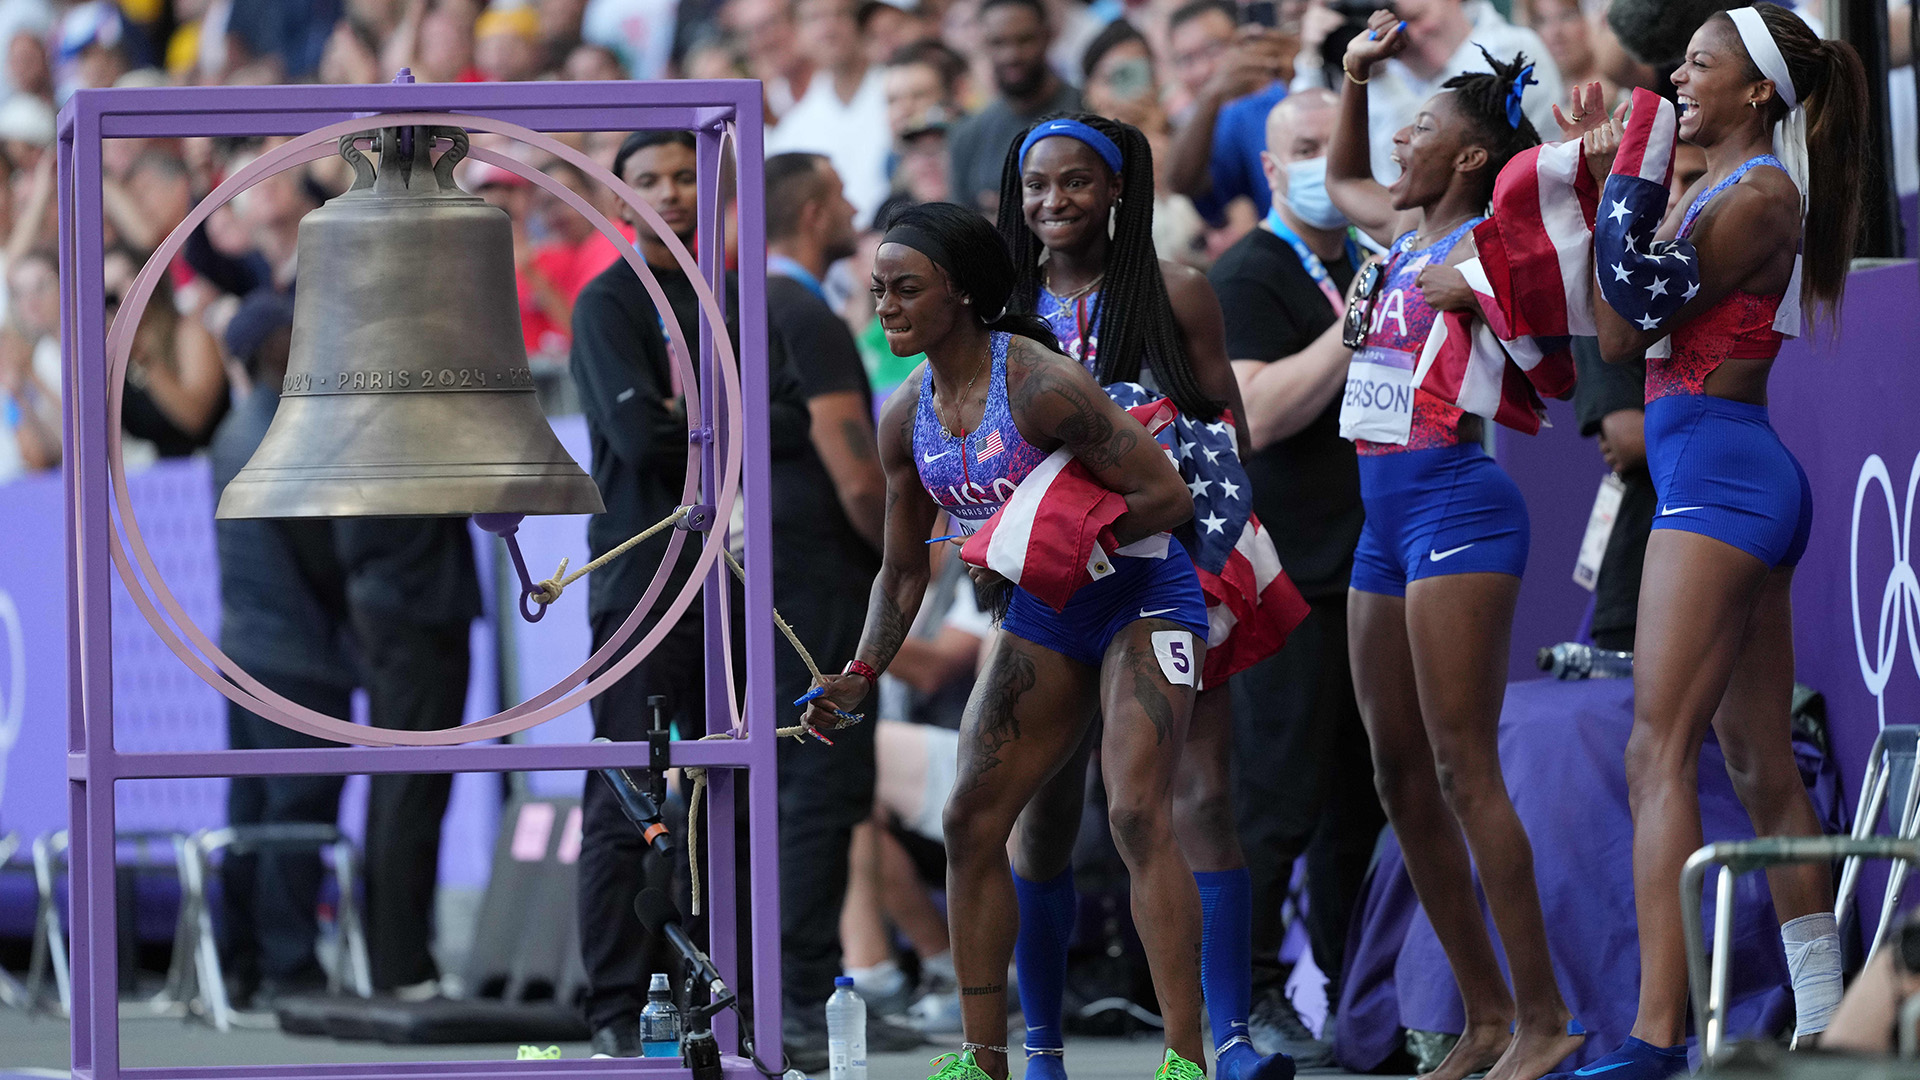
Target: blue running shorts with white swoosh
(1720, 471)
(1137, 589)
(1446, 510)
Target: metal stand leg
(1708, 975)
(49, 936)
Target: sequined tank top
(1738, 326)
(974, 476)
(1401, 321)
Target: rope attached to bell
(548, 591)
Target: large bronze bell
(407, 390)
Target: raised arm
(905, 566)
(1055, 402)
(1350, 179)
(1205, 329)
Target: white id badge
(1378, 405)
(1593, 546)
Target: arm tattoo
(993, 716)
(858, 443)
(1086, 428)
(983, 991)
(887, 627)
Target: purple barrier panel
(159, 704)
(1558, 472)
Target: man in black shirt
(637, 428)
(828, 504)
(1281, 287)
(283, 617)
(1610, 401)
(1016, 35)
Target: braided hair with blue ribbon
(1493, 102)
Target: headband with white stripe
(1765, 52)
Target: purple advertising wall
(1845, 404)
(159, 704)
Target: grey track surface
(42, 1044)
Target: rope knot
(548, 592)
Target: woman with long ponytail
(1768, 230)
(1076, 210)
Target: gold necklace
(1068, 298)
(960, 404)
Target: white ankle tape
(1814, 964)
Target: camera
(1353, 21)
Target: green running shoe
(960, 1066)
(1176, 1067)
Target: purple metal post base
(732, 408)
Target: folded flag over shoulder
(1531, 264)
(1529, 275)
(1054, 535)
(1645, 280)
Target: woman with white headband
(1780, 114)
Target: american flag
(1531, 265)
(1239, 568)
(1644, 280)
(990, 446)
(1054, 535)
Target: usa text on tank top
(972, 477)
(1401, 322)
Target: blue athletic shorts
(1448, 510)
(1137, 589)
(1720, 471)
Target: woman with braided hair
(1437, 571)
(993, 405)
(1757, 237)
(1076, 209)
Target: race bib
(1378, 405)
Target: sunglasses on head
(1353, 333)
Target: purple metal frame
(717, 112)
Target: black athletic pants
(271, 897)
(615, 864)
(1304, 785)
(416, 680)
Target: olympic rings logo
(13, 695)
(1900, 597)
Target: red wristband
(864, 670)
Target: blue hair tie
(1073, 129)
(1520, 84)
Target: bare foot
(1535, 1052)
(1479, 1048)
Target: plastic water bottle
(846, 1032)
(1571, 660)
(660, 1021)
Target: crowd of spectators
(908, 101)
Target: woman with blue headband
(1437, 571)
(993, 406)
(1076, 209)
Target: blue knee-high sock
(1226, 974)
(1047, 910)
(1226, 950)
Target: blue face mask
(1307, 194)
